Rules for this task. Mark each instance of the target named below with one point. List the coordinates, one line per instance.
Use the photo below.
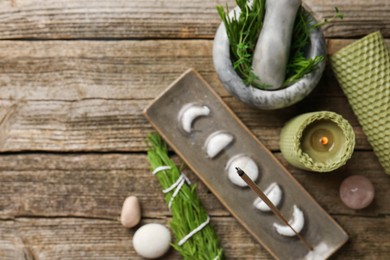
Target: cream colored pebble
(152, 240)
(131, 212)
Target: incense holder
(266, 99)
(298, 207)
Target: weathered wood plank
(361, 17)
(57, 19)
(95, 185)
(63, 70)
(77, 96)
(73, 70)
(69, 238)
(88, 96)
(368, 237)
(119, 125)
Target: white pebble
(189, 113)
(296, 222)
(247, 165)
(274, 194)
(152, 240)
(131, 212)
(216, 142)
(320, 251)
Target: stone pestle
(273, 46)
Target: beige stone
(131, 212)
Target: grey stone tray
(320, 230)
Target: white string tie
(181, 178)
(178, 184)
(193, 232)
(160, 169)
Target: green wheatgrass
(187, 210)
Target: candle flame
(324, 140)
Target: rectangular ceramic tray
(320, 230)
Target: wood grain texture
(72, 133)
(74, 70)
(361, 17)
(119, 125)
(57, 19)
(88, 96)
(71, 238)
(95, 186)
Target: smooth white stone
(247, 164)
(131, 212)
(189, 113)
(320, 251)
(152, 240)
(297, 222)
(216, 142)
(274, 194)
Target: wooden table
(74, 79)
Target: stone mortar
(266, 99)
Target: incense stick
(264, 197)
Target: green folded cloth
(363, 71)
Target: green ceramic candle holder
(363, 71)
(318, 141)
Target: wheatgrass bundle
(195, 237)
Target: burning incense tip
(239, 171)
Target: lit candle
(322, 140)
(319, 141)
